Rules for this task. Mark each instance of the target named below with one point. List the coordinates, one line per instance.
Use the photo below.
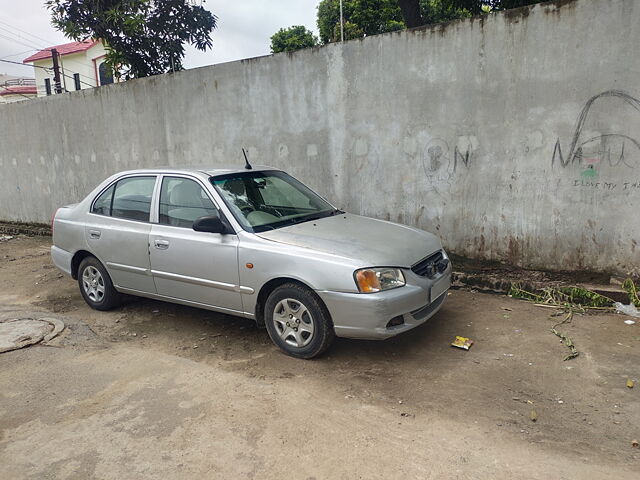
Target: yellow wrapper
(462, 342)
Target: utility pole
(341, 23)
(64, 77)
(56, 71)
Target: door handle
(161, 244)
(94, 234)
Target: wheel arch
(77, 259)
(269, 287)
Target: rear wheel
(96, 286)
(297, 321)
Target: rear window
(102, 205)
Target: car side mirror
(211, 224)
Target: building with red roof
(15, 89)
(10, 93)
(82, 65)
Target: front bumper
(367, 315)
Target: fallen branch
(632, 291)
(565, 339)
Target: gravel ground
(154, 390)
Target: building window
(105, 74)
(47, 85)
(76, 81)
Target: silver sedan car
(254, 243)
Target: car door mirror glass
(209, 223)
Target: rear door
(198, 267)
(118, 228)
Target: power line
(16, 41)
(21, 53)
(32, 45)
(48, 69)
(38, 66)
(23, 64)
(24, 31)
(45, 68)
(25, 41)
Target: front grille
(432, 265)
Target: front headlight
(370, 280)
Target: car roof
(211, 171)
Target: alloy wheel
(293, 322)
(93, 284)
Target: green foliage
(437, 11)
(632, 290)
(574, 298)
(351, 30)
(292, 38)
(569, 300)
(476, 7)
(143, 37)
(370, 17)
(362, 17)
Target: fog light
(395, 321)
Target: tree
(292, 38)
(143, 37)
(362, 17)
(411, 13)
(370, 17)
(432, 11)
(437, 11)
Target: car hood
(369, 242)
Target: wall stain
(513, 251)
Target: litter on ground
(462, 342)
(630, 310)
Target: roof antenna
(247, 165)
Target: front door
(198, 267)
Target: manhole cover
(21, 332)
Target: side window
(182, 202)
(132, 198)
(102, 205)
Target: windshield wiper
(311, 217)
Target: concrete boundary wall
(514, 136)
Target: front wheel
(297, 321)
(96, 286)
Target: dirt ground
(154, 390)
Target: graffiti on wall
(440, 163)
(616, 143)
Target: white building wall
(85, 63)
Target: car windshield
(268, 200)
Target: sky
(244, 30)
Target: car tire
(297, 321)
(96, 286)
